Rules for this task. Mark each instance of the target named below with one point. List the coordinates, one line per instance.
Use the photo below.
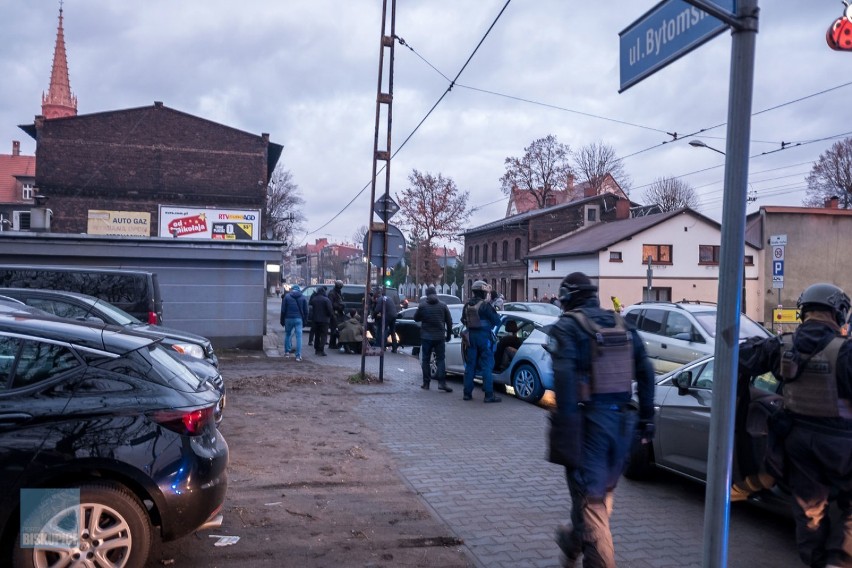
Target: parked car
(408, 330)
(545, 308)
(448, 299)
(84, 307)
(683, 399)
(530, 371)
(114, 415)
(675, 333)
(135, 291)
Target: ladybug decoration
(839, 34)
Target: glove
(645, 430)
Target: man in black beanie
(436, 328)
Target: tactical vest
(810, 382)
(612, 354)
(471, 313)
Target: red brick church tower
(59, 102)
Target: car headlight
(190, 349)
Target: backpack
(612, 355)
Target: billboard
(118, 223)
(216, 224)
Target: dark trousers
(820, 466)
(320, 336)
(480, 357)
(390, 331)
(427, 348)
(608, 433)
(334, 332)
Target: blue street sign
(668, 31)
(777, 268)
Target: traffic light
(388, 280)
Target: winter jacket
(351, 331)
(293, 306)
(435, 319)
(321, 308)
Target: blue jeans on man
(480, 356)
(293, 325)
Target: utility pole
(384, 100)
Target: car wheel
(114, 530)
(433, 366)
(640, 461)
(527, 384)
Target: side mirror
(683, 381)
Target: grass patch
(365, 379)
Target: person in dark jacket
(814, 430)
(480, 319)
(385, 310)
(336, 297)
(351, 333)
(294, 310)
(322, 314)
(596, 390)
(507, 346)
(436, 328)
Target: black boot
(443, 387)
(425, 385)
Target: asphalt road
(480, 469)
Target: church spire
(59, 102)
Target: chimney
(832, 202)
(16, 148)
(622, 209)
(570, 183)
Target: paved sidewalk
(481, 470)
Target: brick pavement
(481, 469)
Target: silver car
(683, 400)
(530, 372)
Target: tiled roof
(11, 166)
(602, 235)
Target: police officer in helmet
(814, 431)
(595, 359)
(480, 319)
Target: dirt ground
(309, 483)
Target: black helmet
(824, 296)
(338, 283)
(576, 286)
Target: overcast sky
(306, 72)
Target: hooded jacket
(294, 305)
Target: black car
(408, 330)
(73, 305)
(113, 417)
(353, 296)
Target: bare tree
(543, 169)
(593, 161)
(831, 176)
(671, 194)
(283, 212)
(433, 207)
(359, 235)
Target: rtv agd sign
(216, 224)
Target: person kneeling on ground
(351, 333)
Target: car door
(683, 421)
(681, 342)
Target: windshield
(172, 370)
(117, 315)
(748, 328)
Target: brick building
(140, 158)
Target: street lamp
(701, 144)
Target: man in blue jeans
(480, 319)
(294, 311)
(436, 327)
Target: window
(8, 350)
(27, 191)
(657, 294)
(494, 251)
(660, 254)
(708, 254)
(591, 214)
(677, 325)
(704, 378)
(21, 220)
(552, 264)
(535, 266)
(517, 249)
(41, 361)
(748, 260)
(476, 254)
(652, 321)
(505, 251)
(470, 254)
(615, 256)
(485, 253)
